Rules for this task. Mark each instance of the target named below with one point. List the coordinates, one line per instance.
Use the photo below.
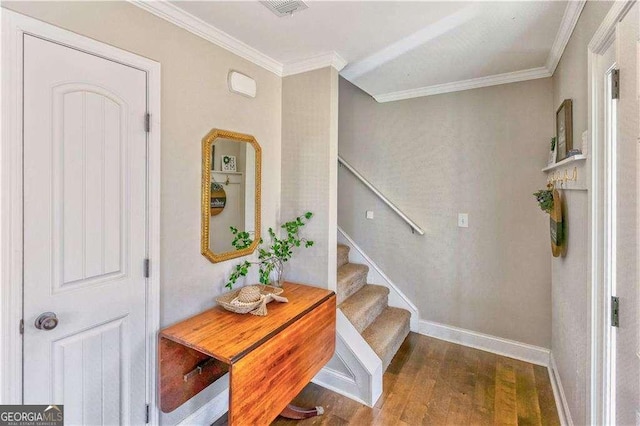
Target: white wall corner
(558, 393)
(497, 345)
(567, 25)
(473, 83)
(330, 59)
(172, 13)
(333, 181)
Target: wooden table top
(227, 336)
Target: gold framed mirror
(231, 176)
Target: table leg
(298, 413)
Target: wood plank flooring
(432, 382)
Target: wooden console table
(270, 359)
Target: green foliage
(241, 270)
(271, 256)
(545, 199)
(241, 239)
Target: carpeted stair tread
(364, 306)
(351, 278)
(343, 254)
(387, 332)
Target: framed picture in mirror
(228, 163)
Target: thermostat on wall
(242, 84)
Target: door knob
(47, 321)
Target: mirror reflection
(231, 192)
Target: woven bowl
(224, 300)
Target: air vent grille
(284, 7)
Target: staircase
(366, 306)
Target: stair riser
(365, 319)
(343, 254)
(391, 350)
(343, 257)
(346, 289)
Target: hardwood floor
(433, 382)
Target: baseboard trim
(497, 345)
(209, 412)
(558, 393)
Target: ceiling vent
(284, 7)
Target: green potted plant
(271, 257)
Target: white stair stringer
(355, 370)
(397, 299)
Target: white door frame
(601, 274)
(14, 26)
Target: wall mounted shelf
(570, 173)
(226, 173)
(565, 162)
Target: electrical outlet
(463, 220)
(369, 214)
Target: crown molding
(331, 59)
(169, 12)
(473, 83)
(567, 25)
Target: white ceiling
(400, 49)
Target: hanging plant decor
(550, 202)
(545, 199)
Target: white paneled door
(625, 170)
(84, 234)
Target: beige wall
(195, 99)
(478, 152)
(570, 342)
(309, 181)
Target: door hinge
(147, 266)
(147, 122)
(21, 326)
(615, 312)
(147, 415)
(615, 84)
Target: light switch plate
(463, 220)
(369, 214)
